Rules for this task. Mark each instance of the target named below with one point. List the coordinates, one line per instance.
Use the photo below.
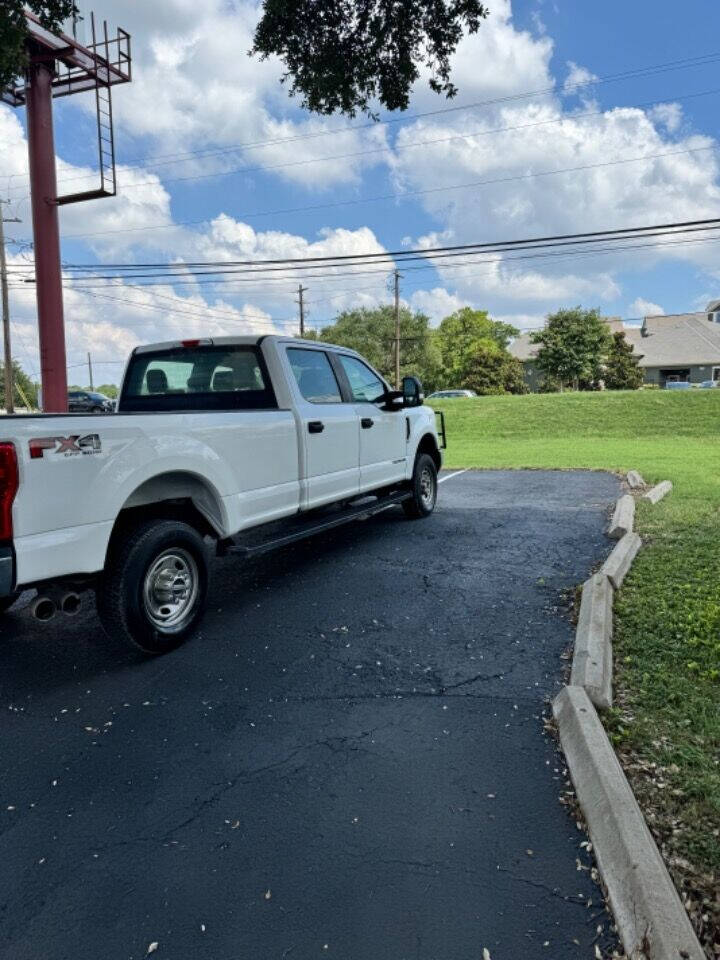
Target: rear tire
(153, 592)
(424, 489)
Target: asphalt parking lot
(348, 761)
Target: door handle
(366, 423)
(316, 426)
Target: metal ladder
(106, 140)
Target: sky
(569, 117)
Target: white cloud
(436, 303)
(195, 88)
(645, 308)
(109, 320)
(578, 80)
(507, 155)
(668, 115)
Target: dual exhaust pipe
(45, 607)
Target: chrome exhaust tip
(70, 604)
(43, 609)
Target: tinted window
(364, 384)
(197, 378)
(314, 376)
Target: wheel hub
(170, 589)
(427, 487)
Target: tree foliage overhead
(573, 347)
(345, 55)
(622, 367)
(13, 31)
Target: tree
(344, 54)
(109, 390)
(457, 338)
(25, 392)
(573, 347)
(622, 367)
(493, 371)
(372, 333)
(13, 31)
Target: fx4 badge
(66, 446)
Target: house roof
(683, 339)
(523, 349)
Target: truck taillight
(9, 482)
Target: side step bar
(359, 511)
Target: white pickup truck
(210, 439)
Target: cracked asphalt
(349, 760)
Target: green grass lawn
(666, 725)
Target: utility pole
(397, 330)
(92, 385)
(301, 303)
(7, 351)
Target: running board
(313, 526)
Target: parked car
(285, 437)
(448, 394)
(87, 401)
(678, 385)
(708, 384)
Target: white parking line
(451, 475)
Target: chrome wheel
(427, 488)
(171, 589)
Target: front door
(383, 443)
(330, 433)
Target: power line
(387, 148)
(637, 73)
(195, 316)
(402, 195)
(222, 267)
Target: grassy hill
(666, 725)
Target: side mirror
(412, 392)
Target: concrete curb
(620, 560)
(622, 518)
(592, 664)
(658, 492)
(649, 914)
(634, 480)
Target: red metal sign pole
(48, 274)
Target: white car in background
(449, 394)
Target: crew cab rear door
(383, 443)
(329, 428)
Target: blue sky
(195, 90)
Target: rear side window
(198, 378)
(314, 375)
